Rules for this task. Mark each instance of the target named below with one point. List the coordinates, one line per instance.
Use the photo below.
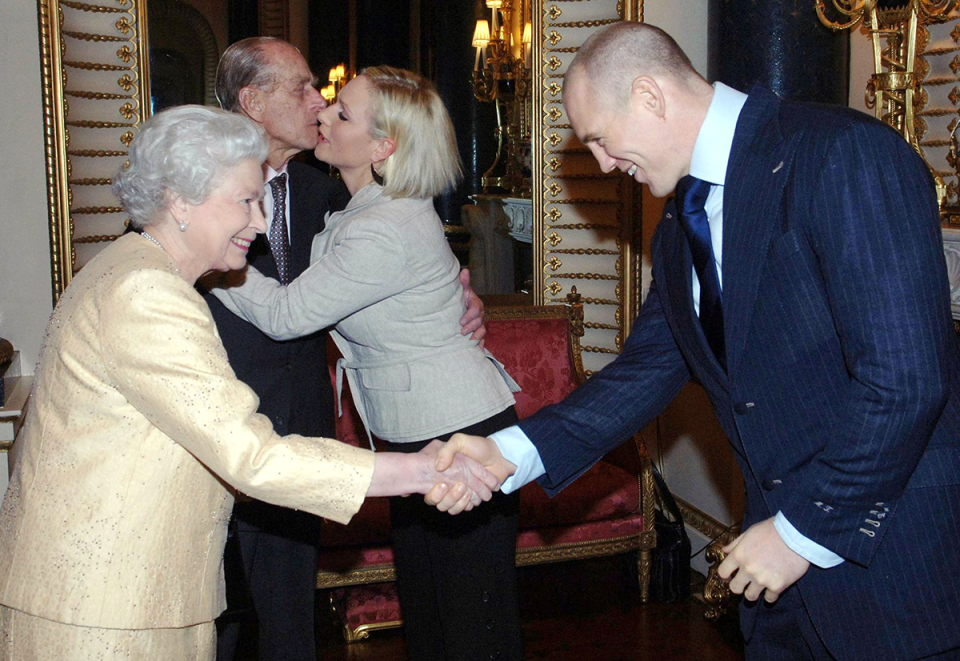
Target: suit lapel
(306, 218)
(752, 211)
(678, 273)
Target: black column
(447, 59)
(781, 45)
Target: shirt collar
(270, 173)
(711, 152)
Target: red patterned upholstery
(536, 353)
(598, 514)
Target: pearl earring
(183, 227)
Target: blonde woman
(383, 273)
(139, 434)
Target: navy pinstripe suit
(842, 395)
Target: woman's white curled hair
(183, 151)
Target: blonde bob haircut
(406, 108)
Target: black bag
(670, 566)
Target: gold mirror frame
(586, 229)
(94, 97)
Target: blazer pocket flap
(783, 246)
(939, 467)
(392, 377)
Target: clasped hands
(455, 476)
(758, 562)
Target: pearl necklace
(150, 238)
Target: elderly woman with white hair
(138, 433)
(383, 272)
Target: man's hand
(761, 561)
(478, 448)
(464, 486)
(461, 486)
(472, 319)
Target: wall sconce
(338, 78)
(501, 75)
(895, 87)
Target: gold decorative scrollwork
(95, 66)
(100, 238)
(554, 63)
(554, 12)
(98, 9)
(90, 37)
(588, 24)
(96, 124)
(91, 182)
(126, 53)
(96, 153)
(96, 210)
(99, 96)
(587, 276)
(554, 38)
(554, 263)
(554, 238)
(585, 251)
(585, 226)
(589, 349)
(128, 111)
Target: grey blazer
(382, 271)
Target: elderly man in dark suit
(269, 81)
(799, 277)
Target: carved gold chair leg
(716, 591)
(648, 538)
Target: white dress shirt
(711, 153)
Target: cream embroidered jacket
(117, 510)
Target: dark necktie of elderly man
(692, 195)
(279, 242)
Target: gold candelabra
(501, 75)
(898, 31)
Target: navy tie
(692, 195)
(279, 243)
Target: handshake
(455, 476)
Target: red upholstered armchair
(602, 513)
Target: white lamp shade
(481, 35)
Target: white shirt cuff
(520, 451)
(804, 546)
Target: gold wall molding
(84, 38)
(597, 245)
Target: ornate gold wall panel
(93, 101)
(586, 224)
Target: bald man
(799, 276)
